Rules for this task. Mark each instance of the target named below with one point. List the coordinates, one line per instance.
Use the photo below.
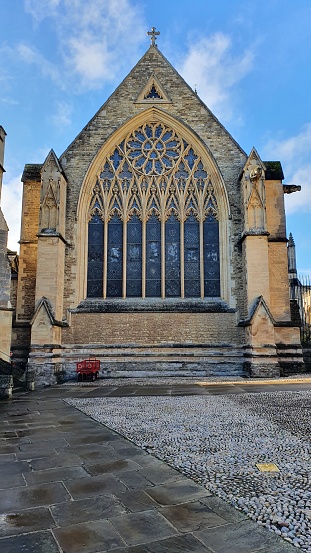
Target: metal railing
(300, 290)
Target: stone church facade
(155, 243)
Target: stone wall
(152, 328)
(28, 251)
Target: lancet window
(153, 226)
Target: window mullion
(182, 259)
(143, 258)
(201, 258)
(162, 257)
(124, 258)
(105, 259)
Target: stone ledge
(152, 305)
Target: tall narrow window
(211, 257)
(95, 257)
(172, 257)
(153, 257)
(134, 258)
(114, 258)
(192, 257)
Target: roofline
(155, 49)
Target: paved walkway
(71, 485)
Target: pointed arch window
(211, 257)
(172, 257)
(114, 258)
(134, 258)
(153, 257)
(95, 257)
(192, 258)
(156, 208)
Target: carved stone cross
(153, 35)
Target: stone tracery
(154, 174)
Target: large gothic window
(153, 220)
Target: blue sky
(249, 60)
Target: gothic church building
(155, 243)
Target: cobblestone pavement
(70, 484)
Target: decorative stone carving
(153, 172)
(52, 197)
(254, 194)
(153, 92)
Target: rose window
(153, 149)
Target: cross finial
(153, 35)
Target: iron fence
(300, 290)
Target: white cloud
(91, 60)
(31, 55)
(9, 101)
(40, 9)
(95, 37)
(295, 155)
(62, 115)
(211, 66)
(11, 203)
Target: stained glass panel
(172, 257)
(192, 257)
(153, 257)
(114, 258)
(153, 93)
(95, 257)
(211, 257)
(134, 258)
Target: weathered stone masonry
(153, 156)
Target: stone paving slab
(177, 492)
(245, 537)
(32, 496)
(8, 448)
(189, 517)
(177, 544)
(95, 453)
(86, 510)
(137, 500)
(222, 509)
(161, 474)
(27, 520)
(55, 461)
(88, 537)
(13, 441)
(133, 480)
(12, 481)
(97, 485)
(137, 528)
(17, 467)
(36, 542)
(55, 475)
(6, 458)
(121, 465)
